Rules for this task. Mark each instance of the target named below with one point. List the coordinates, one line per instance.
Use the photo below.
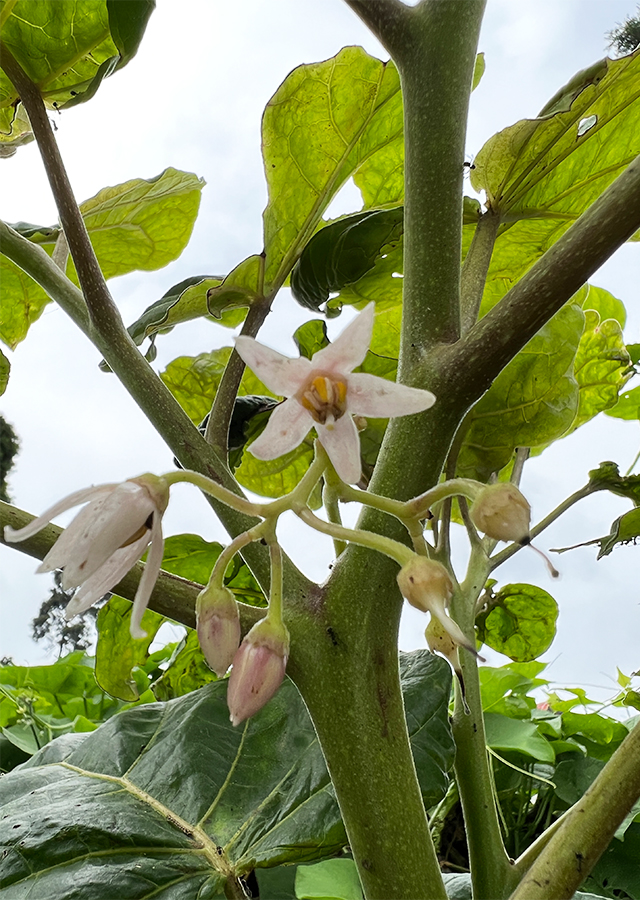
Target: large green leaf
(605, 304)
(141, 224)
(190, 556)
(22, 302)
(533, 401)
(194, 380)
(426, 687)
(507, 734)
(343, 252)
(38, 703)
(186, 670)
(322, 124)
(520, 621)
(602, 366)
(144, 223)
(66, 48)
(556, 165)
(333, 879)
(5, 368)
(627, 407)
(171, 799)
(117, 653)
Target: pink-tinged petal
(369, 395)
(350, 347)
(342, 443)
(256, 675)
(282, 375)
(12, 535)
(149, 578)
(122, 514)
(107, 576)
(288, 426)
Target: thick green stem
(576, 846)
(348, 670)
(436, 69)
(351, 686)
(491, 870)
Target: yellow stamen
(324, 396)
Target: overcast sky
(193, 99)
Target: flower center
(138, 534)
(324, 396)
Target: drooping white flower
(325, 393)
(105, 540)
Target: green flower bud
(427, 585)
(502, 513)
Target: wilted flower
(324, 393)
(105, 540)
(502, 512)
(258, 669)
(218, 626)
(427, 585)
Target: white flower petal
(123, 512)
(342, 443)
(12, 535)
(149, 577)
(107, 576)
(369, 395)
(63, 548)
(288, 426)
(281, 374)
(350, 347)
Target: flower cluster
(105, 540)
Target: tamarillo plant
(415, 412)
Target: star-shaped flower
(105, 540)
(325, 393)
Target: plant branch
(172, 596)
(388, 20)
(580, 494)
(102, 310)
(38, 264)
(574, 848)
(217, 431)
(109, 335)
(475, 268)
(610, 221)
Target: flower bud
(427, 585)
(258, 669)
(502, 513)
(438, 641)
(218, 626)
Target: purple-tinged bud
(427, 585)
(258, 669)
(218, 626)
(501, 512)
